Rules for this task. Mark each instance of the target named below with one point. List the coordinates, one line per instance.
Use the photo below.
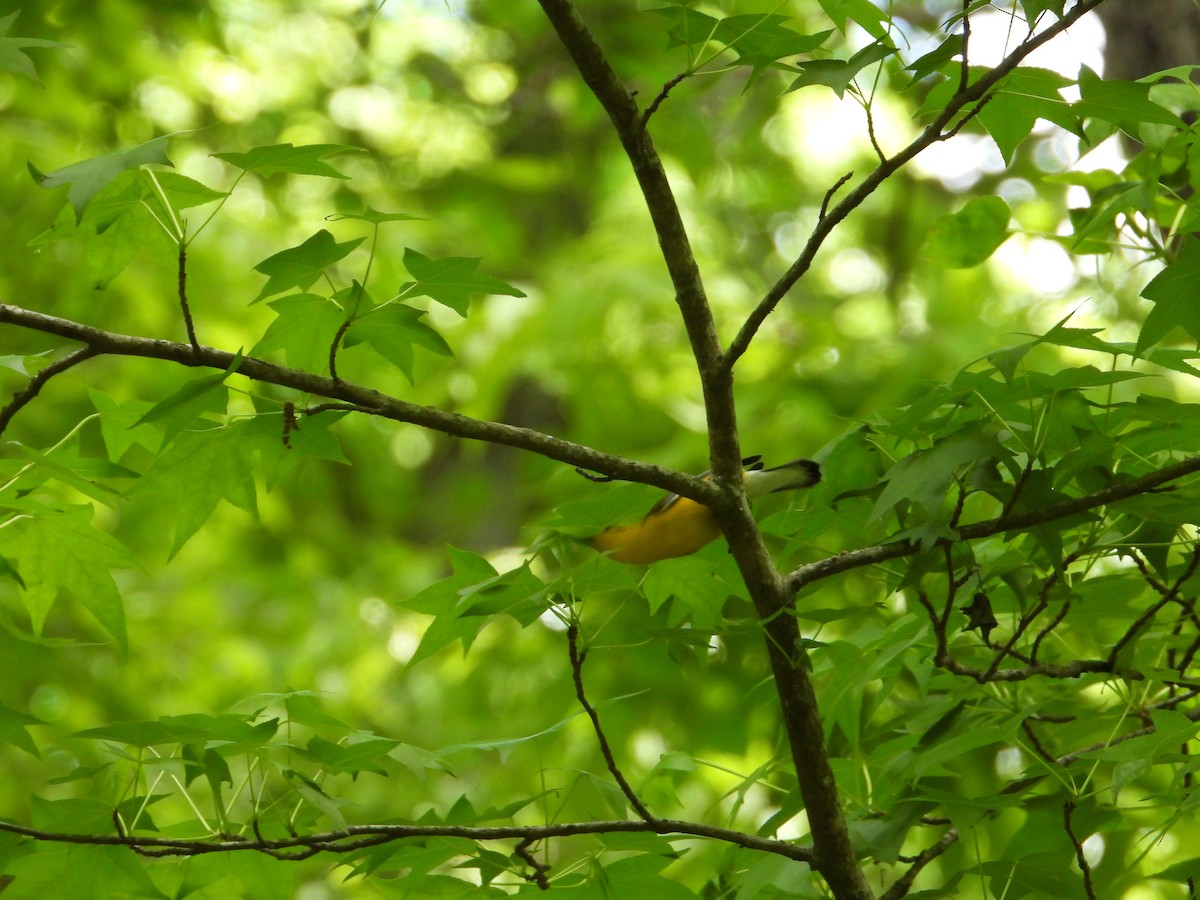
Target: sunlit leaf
(299, 267)
(88, 178)
(276, 158)
(450, 281)
(968, 237)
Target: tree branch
(100, 342)
(933, 133)
(38, 381)
(357, 837)
(809, 573)
(609, 760)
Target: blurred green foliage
(472, 121)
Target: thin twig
(577, 658)
(662, 95)
(540, 869)
(1084, 866)
(333, 349)
(829, 194)
(183, 300)
(37, 382)
(904, 883)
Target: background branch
(357, 837)
(933, 133)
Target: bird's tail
(791, 476)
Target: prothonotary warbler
(677, 526)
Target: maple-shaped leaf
(303, 329)
(375, 217)
(392, 330)
(838, 73)
(299, 267)
(62, 551)
(451, 280)
(12, 729)
(11, 57)
(197, 471)
(1173, 291)
(303, 160)
(87, 178)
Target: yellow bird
(677, 526)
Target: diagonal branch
(628, 123)
(38, 381)
(936, 131)
(609, 760)
(100, 342)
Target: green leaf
(329, 806)
(862, 13)
(364, 755)
(450, 281)
(1023, 97)
(968, 237)
(230, 730)
(28, 365)
(1174, 292)
(193, 399)
(1125, 104)
(196, 472)
(183, 192)
(759, 40)
(64, 552)
(924, 477)
(11, 57)
(303, 328)
(375, 217)
(933, 61)
(87, 178)
(299, 267)
(391, 331)
(304, 160)
(13, 727)
(837, 74)
(117, 425)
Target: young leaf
(299, 267)
(1174, 292)
(87, 178)
(451, 281)
(64, 551)
(837, 74)
(197, 471)
(375, 217)
(303, 329)
(12, 730)
(392, 330)
(968, 237)
(11, 57)
(303, 160)
(1125, 104)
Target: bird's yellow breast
(682, 528)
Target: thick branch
(356, 837)
(934, 132)
(635, 139)
(99, 342)
(868, 556)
